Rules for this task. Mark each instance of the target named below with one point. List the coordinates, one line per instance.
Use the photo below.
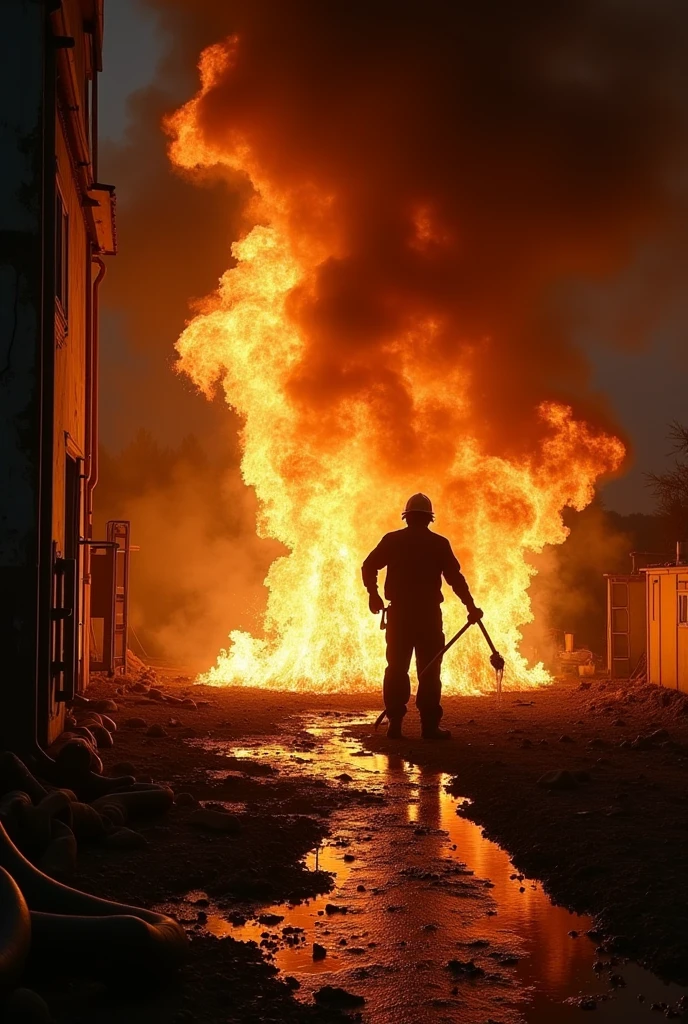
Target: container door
(620, 653)
(682, 638)
(654, 618)
(668, 582)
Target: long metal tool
(496, 660)
(444, 650)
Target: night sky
(646, 386)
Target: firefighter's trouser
(412, 629)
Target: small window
(683, 609)
(61, 254)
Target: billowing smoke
(480, 159)
(453, 174)
(199, 568)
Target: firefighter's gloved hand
(475, 614)
(375, 603)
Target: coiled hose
(15, 931)
(87, 934)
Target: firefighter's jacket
(416, 559)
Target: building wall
(70, 405)
(22, 280)
(49, 57)
(667, 638)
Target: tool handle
(445, 648)
(487, 637)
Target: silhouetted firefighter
(416, 560)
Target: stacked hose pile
(44, 922)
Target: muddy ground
(609, 836)
(587, 788)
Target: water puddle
(428, 920)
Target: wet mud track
(427, 920)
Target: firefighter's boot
(394, 729)
(433, 732)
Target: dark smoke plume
(533, 145)
(496, 166)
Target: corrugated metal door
(669, 629)
(682, 638)
(654, 619)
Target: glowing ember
(330, 481)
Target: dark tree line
(671, 488)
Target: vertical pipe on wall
(92, 384)
(46, 370)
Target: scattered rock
(156, 730)
(188, 733)
(105, 705)
(558, 780)
(566, 739)
(215, 821)
(189, 702)
(319, 952)
(155, 694)
(466, 967)
(336, 908)
(248, 767)
(185, 800)
(344, 777)
(331, 995)
(125, 839)
(135, 723)
(653, 739)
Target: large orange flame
(330, 499)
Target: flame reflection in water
(422, 886)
